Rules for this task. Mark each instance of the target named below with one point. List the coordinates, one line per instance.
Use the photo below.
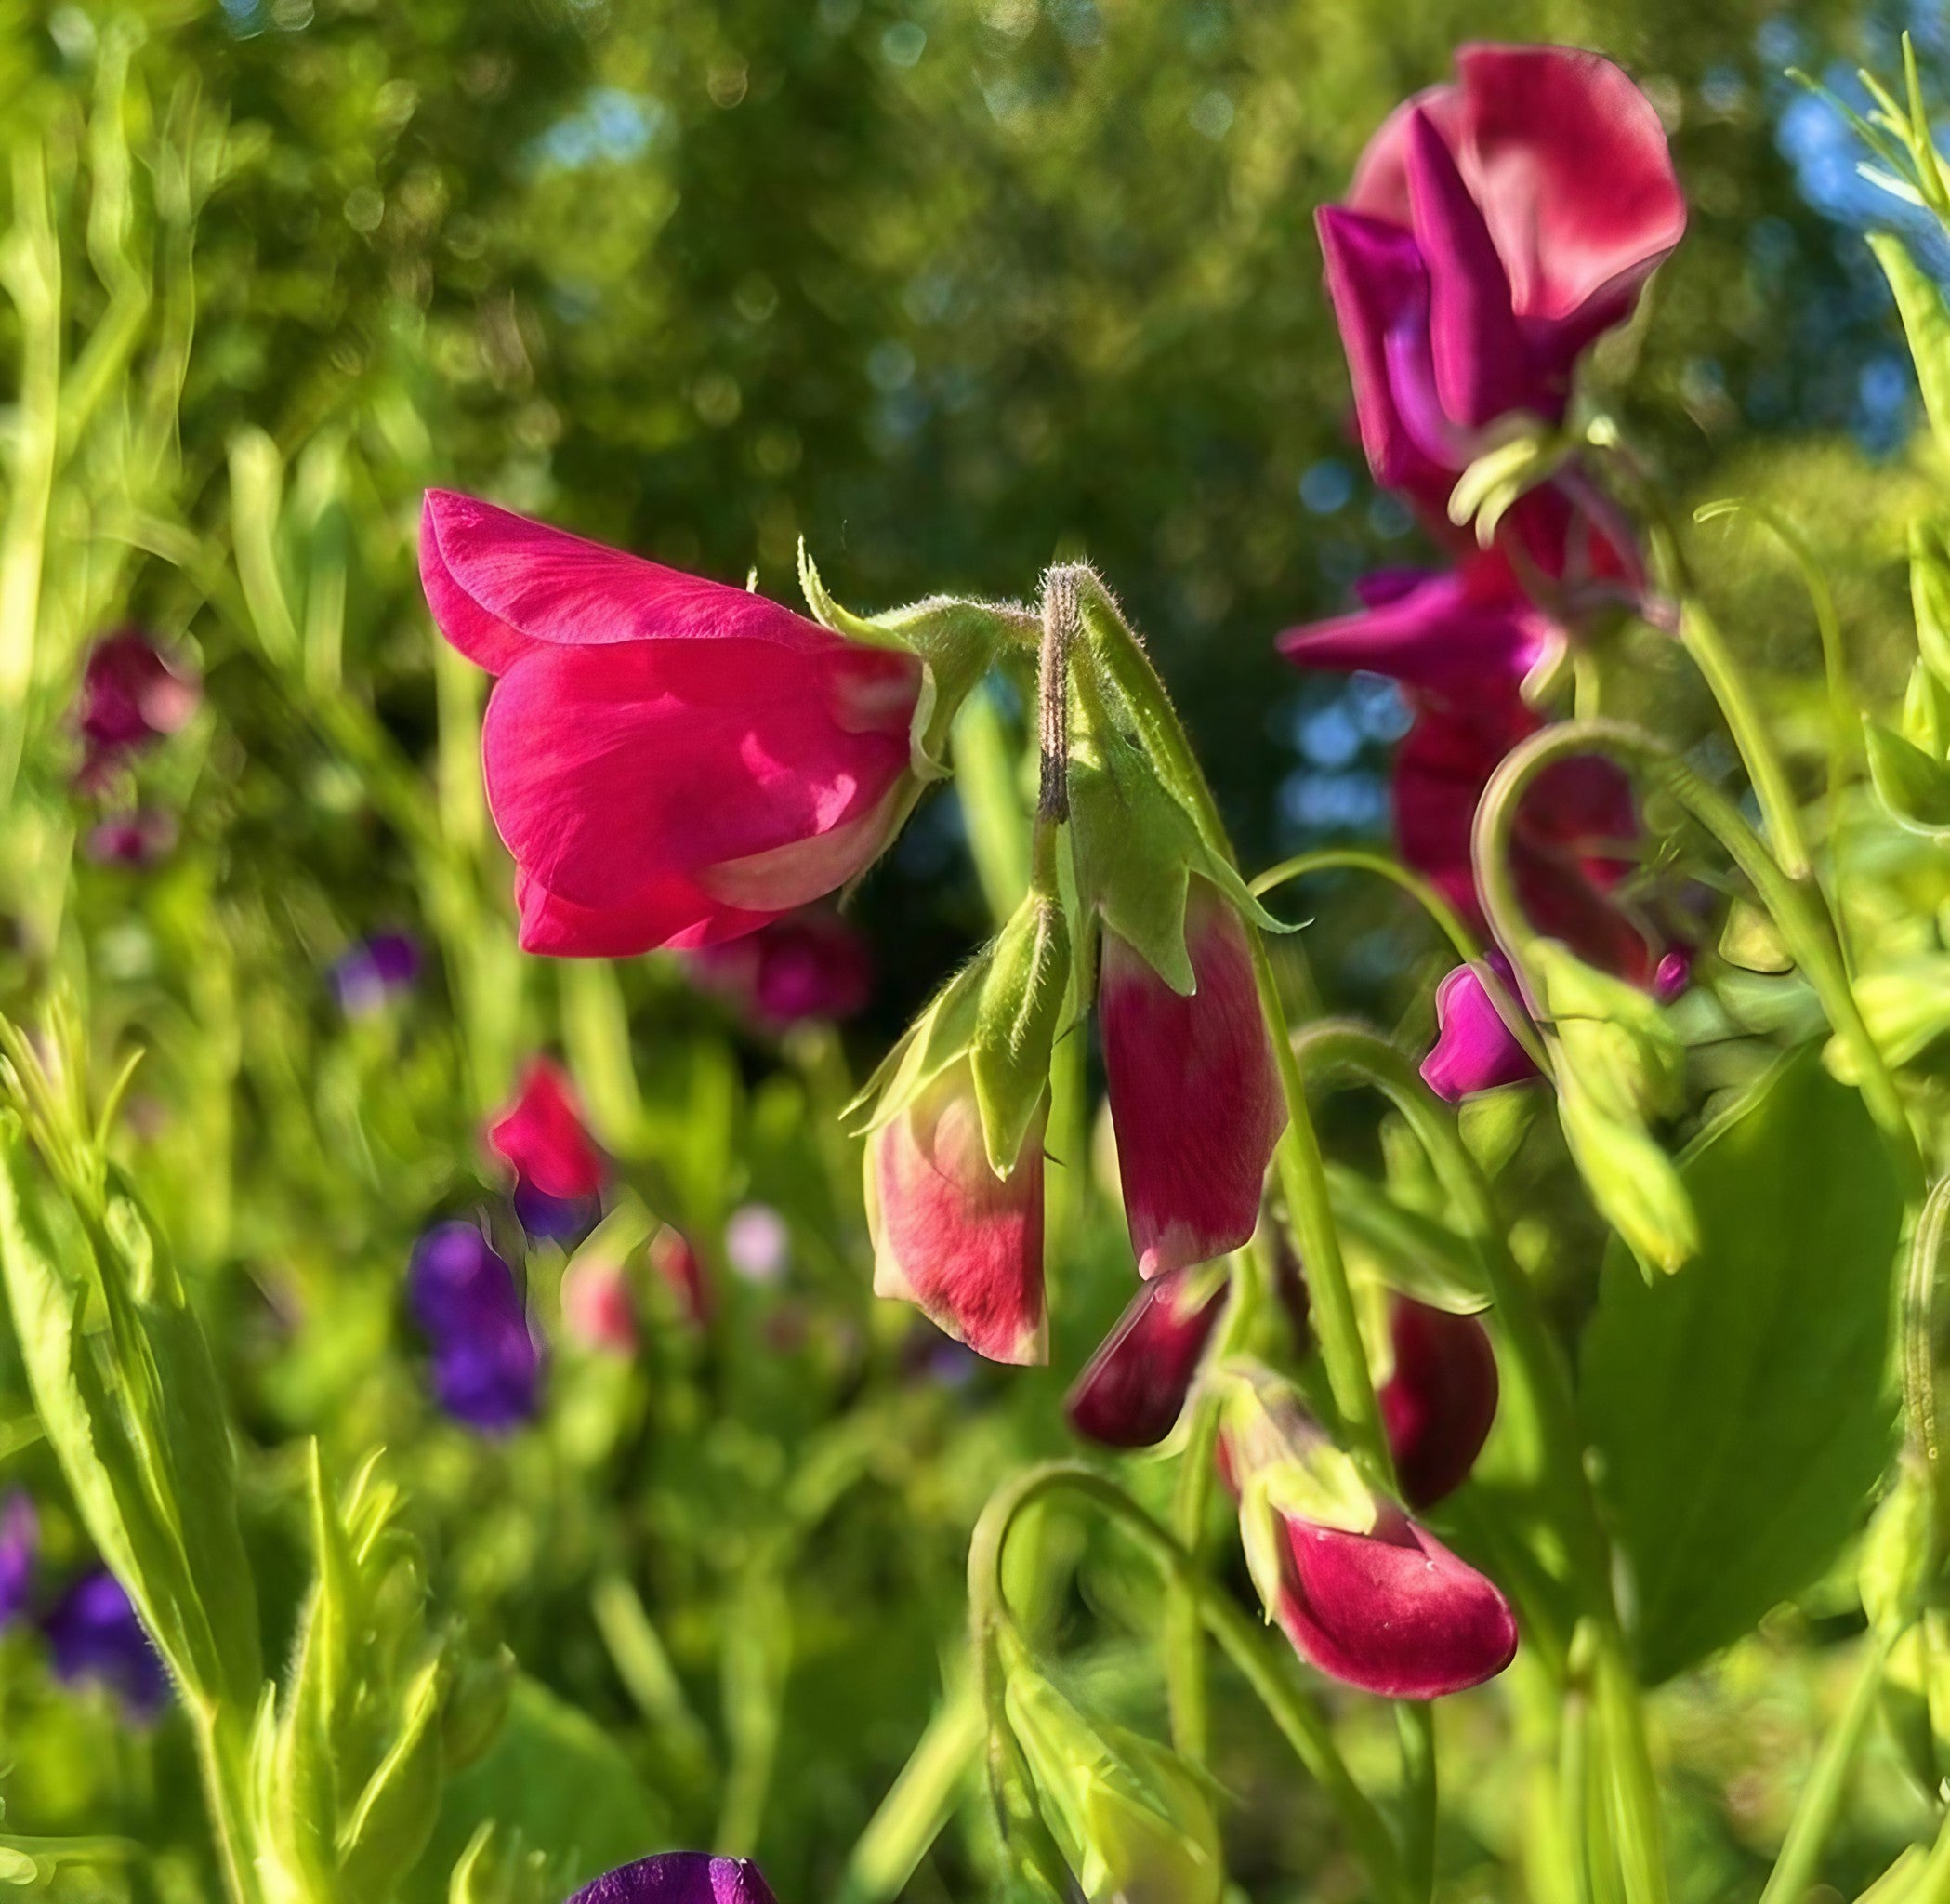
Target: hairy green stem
(1815, 1811)
(1243, 1640)
(1415, 1724)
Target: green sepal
(1926, 323)
(1926, 712)
(394, 1816)
(944, 1032)
(1018, 1016)
(1636, 1186)
(1901, 1555)
(1913, 787)
(1906, 1009)
(956, 641)
(1616, 1038)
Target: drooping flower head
(559, 1171)
(1440, 1403)
(962, 1243)
(810, 964)
(375, 970)
(1133, 1389)
(94, 1635)
(486, 1365)
(1494, 227)
(1195, 1096)
(680, 1877)
(131, 693)
(671, 761)
(19, 1544)
(1365, 1594)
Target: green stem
(223, 1759)
(1801, 923)
(1414, 1722)
(1447, 920)
(1638, 1829)
(1243, 1640)
(1821, 1798)
(1918, 1342)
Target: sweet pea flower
(135, 841)
(375, 970)
(1365, 1594)
(671, 761)
(19, 1542)
(683, 1274)
(962, 1244)
(1494, 227)
(1193, 1092)
(680, 1877)
(96, 1635)
(131, 693)
(486, 1365)
(758, 1244)
(559, 1171)
(810, 964)
(1440, 1403)
(596, 1311)
(1133, 1389)
(1474, 1049)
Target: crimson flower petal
(1133, 1389)
(1194, 1094)
(541, 1133)
(1440, 1403)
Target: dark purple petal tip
(680, 1877)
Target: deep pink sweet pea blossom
(812, 964)
(1474, 1049)
(680, 1877)
(682, 1273)
(132, 693)
(597, 1310)
(962, 1244)
(1494, 228)
(671, 761)
(1194, 1090)
(1133, 1389)
(559, 1171)
(1440, 1403)
(136, 840)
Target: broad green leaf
(1741, 1411)
(1914, 788)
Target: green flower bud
(1018, 1014)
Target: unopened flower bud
(1440, 1403)
(1133, 1389)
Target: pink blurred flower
(1494, 228)
(682, 1272)
(559, 1171)
(963, 1245)
(1440, 1403)
(1474, 1049)
(131, 693)
(1133, 1389)
(810, 964)
(598, 1312)
(671, 761)
(135, 841)
(1194, 1095)
(757, 1243)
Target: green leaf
(1016, 1025)
(1906, 1008)
(1925, 322)
(1914, 788)
(1741, 1411)
(1411, 1253)
(1930, 598)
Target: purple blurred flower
(19, 1541)
(810, 964)
(137, 839)
(94, 1635)
(680, 1877)
(486, 1365)
(374, 971)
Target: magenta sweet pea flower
(135, 841)
(812, 964)
(1133, 1389)
(1474, 1049)
(559, 1171)
(671, 761)
(1194, 1094)
(96, 1635)
(1494, 228)
(19, 1544)
(680, 1877)
(962, 1244)
(486, 1365)
(1440, 1403)
(131, 693)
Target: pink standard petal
(1474, 1049)
(1194, 1094)
(1392, 1611)
(541, 1135)
(1133, 1389)
(1440, 1402)
(961, 1243)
